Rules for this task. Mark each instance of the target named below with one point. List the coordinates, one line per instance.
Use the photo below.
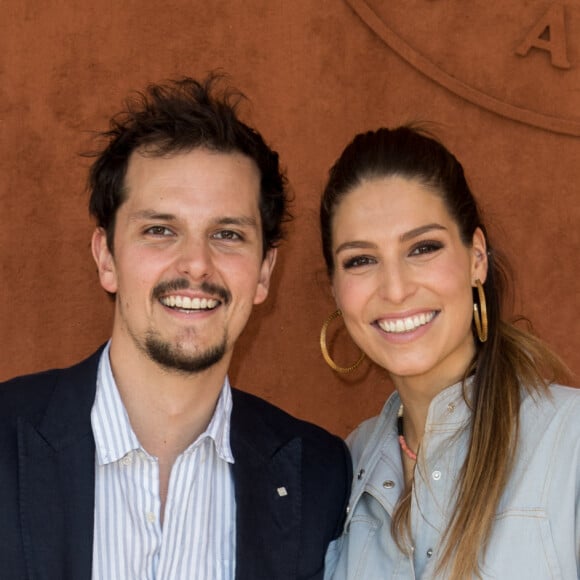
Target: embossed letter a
(551, 25)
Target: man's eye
(357, 262)
(227, 235)
(159, 231)
(425, 248)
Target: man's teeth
(187, 303)
(406, 324)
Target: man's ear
(266, 270)
(104, 260)
(479, 262)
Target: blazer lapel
(267, 474)
(56, 479)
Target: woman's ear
(479, 262)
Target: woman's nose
(396, 284)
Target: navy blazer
(47, 473)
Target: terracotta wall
(502, 84)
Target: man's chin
(173, 359)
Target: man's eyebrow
(237, 221)
(149, 214)
(361, 245)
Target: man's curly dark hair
(179, 116)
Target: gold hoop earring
(325, 352)
(480, 323)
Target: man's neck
(168, 410)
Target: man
(141, 462)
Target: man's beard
(172, 358)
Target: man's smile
(187, 303)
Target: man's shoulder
(29, 394)
(262, 432)
(309, 468)
(251, 408)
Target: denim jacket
(536, 532)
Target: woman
(473, 467)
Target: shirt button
(436, 475)
(429, 553)
(361, 472)
(150, 517)
(451, 407)
(389, 484)
(126, 460)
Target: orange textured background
(315, 74)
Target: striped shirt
(197, 540)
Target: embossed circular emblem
(520, 60)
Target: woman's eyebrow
(355, 244)
(361, 245)
(420, 231)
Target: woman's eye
(425, 248)
(357, 262)
(159, 231)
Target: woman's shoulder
(557, 400)
(565, 394)
(566, 404)
(554, 413)
(370, 430)
(359, 438)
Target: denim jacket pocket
(522, 547)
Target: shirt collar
(114, 436)
(450, 410)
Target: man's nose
(195, 259)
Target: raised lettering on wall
(549, 34)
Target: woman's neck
(416, 395)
